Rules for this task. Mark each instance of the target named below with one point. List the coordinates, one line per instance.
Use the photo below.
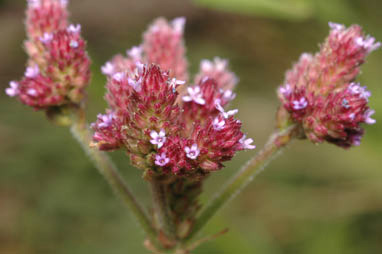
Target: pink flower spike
(161, 160)
(108, 69)
(32, 72)
(194, 94)
(300, 104)
(76, 29)
(13, 89)
(247, 143)
(173, 83)
(368, 118)
(158, 138)
(46, 38)
(218, 124)
(192, 152)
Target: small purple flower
(76, 29)
(178, 24)
(107, 120)
(192, 152)
(135, 52)
(368, 43)
(356, 88)
(64, 3)
(108, 69)
(228, 95)
(336, 26)
(368, 118)
(300, 104)
(32, 92)
(222, 111)
(285, 90)
(136, 84)
(195, 95)
(34, 3)
(74, 44)
(218, 124)
(246, 143)
(32, 72)
(118, 76)
(173, 83)
(158, 138)
(46, 38)
(13, 89)
(161, 160)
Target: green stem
(256, 165)
(108, 170)
(162, 209)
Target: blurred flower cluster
(165, 126)
(58, 71)
(320, 92)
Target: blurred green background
(311, 200)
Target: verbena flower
(58, 66)
(320, 92)
(165, 126)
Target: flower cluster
(172, 131)
(58, 67)
(320, 92)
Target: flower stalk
(162, 213)
(108, 170)
(278, 140)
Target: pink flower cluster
(174, 131)
(320, 91)
(58, 67)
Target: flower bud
(163, 44)
(217, 70)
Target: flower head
(217, 70)
(320, 94)
(163, 44)
(58, 68)
(176, 129)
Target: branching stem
(276, 142)
(108, 170)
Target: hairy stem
(162, 210)
(108, 170)
(276, 142)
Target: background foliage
(313, 199)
